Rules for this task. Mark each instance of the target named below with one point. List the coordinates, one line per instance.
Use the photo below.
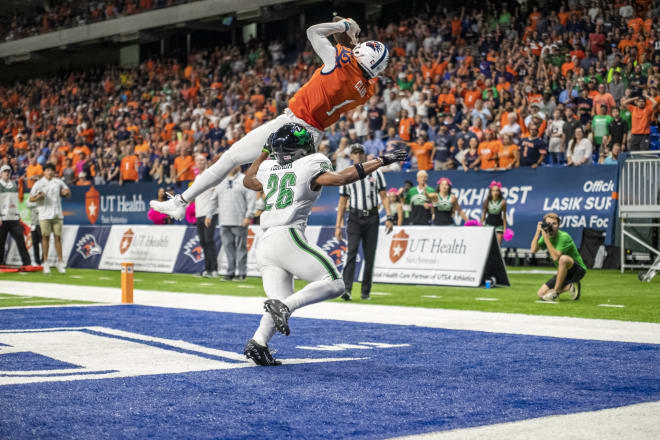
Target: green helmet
(290, 142)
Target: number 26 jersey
(288, 196)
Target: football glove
(395, 156)
(353, 30)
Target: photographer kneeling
(565, 256)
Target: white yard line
(538, 325)
(618, 306)
(639, 422)
(487, 299)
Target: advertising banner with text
(584, 197)
(436, 255)
(150, 248)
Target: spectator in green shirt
(600, 125)
(565, 256)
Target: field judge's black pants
(206, 240)
(14, 228)
(365, 230)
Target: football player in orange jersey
(345, 81)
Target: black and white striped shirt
(363, 194)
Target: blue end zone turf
(442, 380)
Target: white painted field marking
(611, 305)
(639, 422)
(43, 301)
(540, 301)
(380, 294)
(105, 278)
(102, 353)
(169, 281)
(138, 279)
(487, 299)
(431, 296)
(76, 276)
(512, 323)
(206, 284)
(245, 286)
(22, 273)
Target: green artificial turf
(641, 301)
(7, 300)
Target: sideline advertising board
(438, 255)
(149, 248)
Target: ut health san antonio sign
(434, 255)
(109, 204)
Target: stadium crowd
(38, 19)
(482, 88)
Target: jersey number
(285, 193)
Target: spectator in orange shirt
(142, 145)
(79, 152)
(642, 113)
(470, 95)
(569, 66)
(509, 156)
(33, 172)
(183, 166)
(446, 98)
(406, 125)
(489, 149)
(20, 142)
(128, 167)
(603, 97)
(422, 149)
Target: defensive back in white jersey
(287, 189)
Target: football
(342, 38)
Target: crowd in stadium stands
(65, 14)
(484, 89)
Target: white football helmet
(372, 56)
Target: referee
(361, 197)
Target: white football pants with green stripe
(284, 253)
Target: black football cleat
(280, 314)
(260, 355)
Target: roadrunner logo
(337, 250)
(88, 247)
(193, 249)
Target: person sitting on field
(568, 261)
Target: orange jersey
(322, 100)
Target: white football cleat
(552, 295)
(60, 267)
(175, 207)
(46, 268)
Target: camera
(547, 227)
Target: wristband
(266, 150)
(360, 171)
(390, 218)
